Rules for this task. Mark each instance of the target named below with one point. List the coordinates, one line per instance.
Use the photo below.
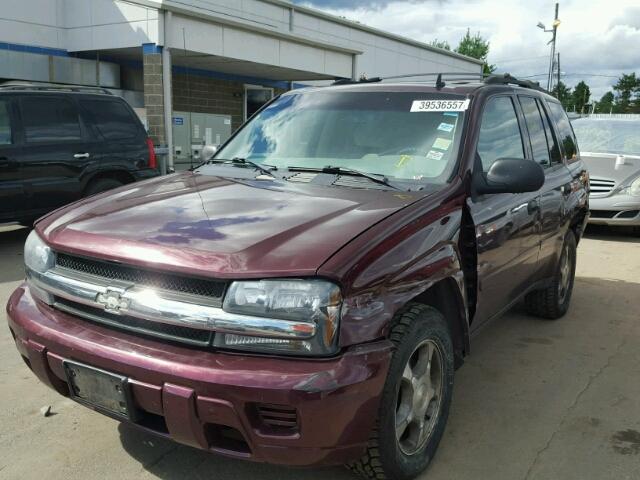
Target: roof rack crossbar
(508, 79)
(43, 87)
(454, 77)
(436, 74)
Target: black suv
(62, 143)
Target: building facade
(194, 70)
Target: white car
(610, 147)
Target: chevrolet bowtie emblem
(112, 301)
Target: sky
(598, 40)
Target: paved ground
(536, 400)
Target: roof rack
(508, 79)
(51, 87)
(454, 77)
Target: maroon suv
(304, 296)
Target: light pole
(552, 30)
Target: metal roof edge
(181, 8)
(376, 31)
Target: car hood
(603, 166)
(215, 226)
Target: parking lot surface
(535, 400)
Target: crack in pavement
(153, 463)
(571, 407)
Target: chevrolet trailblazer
(304, 296)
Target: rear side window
(500, 135)
(554, 149)
(113, 119)
(537, 134)
(5, 123)
(567, 137)
(49, 119)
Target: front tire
(553, 302)
(416, 398)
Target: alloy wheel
(419, 397)
(565, 273)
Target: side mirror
(207, 152)
(511, 175)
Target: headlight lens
(634, 188)
(37, 254)
(38, 258)
(315, 302)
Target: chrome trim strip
(154, 305)
(106, 321)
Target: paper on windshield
(439, 105)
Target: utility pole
(558, 82)
(556, 22)
(552, 57)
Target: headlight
(37, 254)
(38, 258)
(633, 188)
(316, 302)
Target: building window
(255, 97)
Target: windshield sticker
(402, 160)
(433, 155)
(439, 105)
(445, 127)
(441, 144)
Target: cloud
(596, 39)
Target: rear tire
(553, 302)
(415, 400)
(102, 185)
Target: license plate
(98, 389)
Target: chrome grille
(213, 289)
(192, 336)
(601, 186)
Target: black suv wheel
(553, 302)
(102, 185)
(415, 400)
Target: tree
(562, 93)
(476, 47)
(440, 44)
(628, 90)
(580, 96)
(605, 105)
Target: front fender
(398, 269)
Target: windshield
(373, 132)
(618, 136)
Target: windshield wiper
(346, 171)
(244, 161)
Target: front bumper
(616, 210)
(213, 400)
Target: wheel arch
(120, 175)
(447, 297)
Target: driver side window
(500, 135)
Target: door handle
(81, 155)
(4, 162)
